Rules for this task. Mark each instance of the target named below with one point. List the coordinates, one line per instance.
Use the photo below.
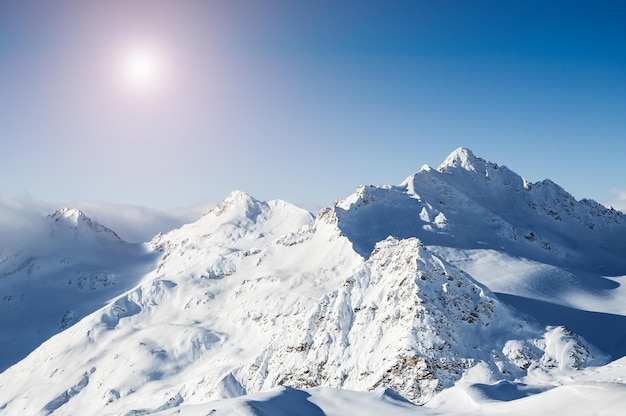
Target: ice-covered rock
(409, 321)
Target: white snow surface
(465, 289)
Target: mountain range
(462, 289)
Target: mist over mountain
(462, 284)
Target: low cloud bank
(135, 223)
(23, 220)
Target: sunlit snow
(463, 289)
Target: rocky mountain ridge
(471, 203)
(257, 294)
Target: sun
(142, 68)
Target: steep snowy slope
(407, 320)
(73, 267)
(240, 303)
(380, 290)
(224, 287)
(553, 257)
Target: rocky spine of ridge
(406, 320)
(545, 197)
(471, 203)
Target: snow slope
(386, 289)
(72, 268)
(543, 252)
(407, 320)
(469, 203)
(287, 401)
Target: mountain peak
(462, 158)
(236, 199)
(69, 215)
(75, 219)
(238, 195)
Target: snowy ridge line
(264, 307)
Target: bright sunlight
(142, 68)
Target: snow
(287, 401)
(71, 269)
(463, 289)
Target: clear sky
(172, 103)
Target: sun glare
(142, 68)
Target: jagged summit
(465, 164)
(239, 204)
(69, 215)
(238, 199)
(470, 203)
(469, 171)
(75, 220)
(239, 222)
(463, 158)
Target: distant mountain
(389, 288)
(73, 268)
(74, 221)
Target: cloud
(619, 199)
(134, 223)
(23, 220)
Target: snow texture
(382, 303)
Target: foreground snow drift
(577, 399)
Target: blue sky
(305, 100)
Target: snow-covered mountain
(464, 283)
(72, 268)
(471, 203)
